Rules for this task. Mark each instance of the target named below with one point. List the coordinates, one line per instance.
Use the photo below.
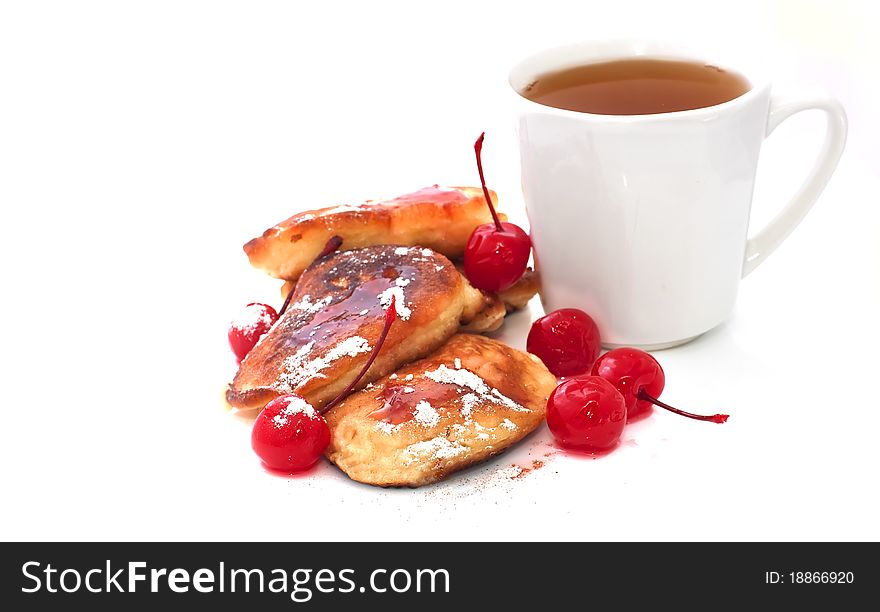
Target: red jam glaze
(343, 317)
(400, 399)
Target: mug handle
(772, 235)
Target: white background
(142, 143)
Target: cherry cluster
(289, 434)
(589, 409)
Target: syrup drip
(344, 317)
(399, 406)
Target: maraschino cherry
(246, 329)
(566, 340)
(497, 253)
(586, 413)
(289, 434)
(640, 379)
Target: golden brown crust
(439, 218)
(475, 300)
(517, 296)
(484, 312)
(487, 319)
(471, 399)
(336, 314)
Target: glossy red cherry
(249, 327)
(497, 253)
(495, 259)
(640, 379)
(566, 340)
(289, 434)
(586, 413)
(631, 371)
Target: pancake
(320, 343)
(517, 296)
(471, 399)
(438, 218)
(484, 312)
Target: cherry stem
(390, 316)
(715, 418)
(478, 150)
(331, 247)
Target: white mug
(642, 220)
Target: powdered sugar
(462, 378)
(474, 392)
(386, 427)
(306, 305)
(503, 399)
(401, 250)
(399, 301)
(298, 368)
(296, 405)
(468, 402)
(425, 414)
(349, 347)
(469, 380)
(435, 448)
(253, 317)
(457, 363)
